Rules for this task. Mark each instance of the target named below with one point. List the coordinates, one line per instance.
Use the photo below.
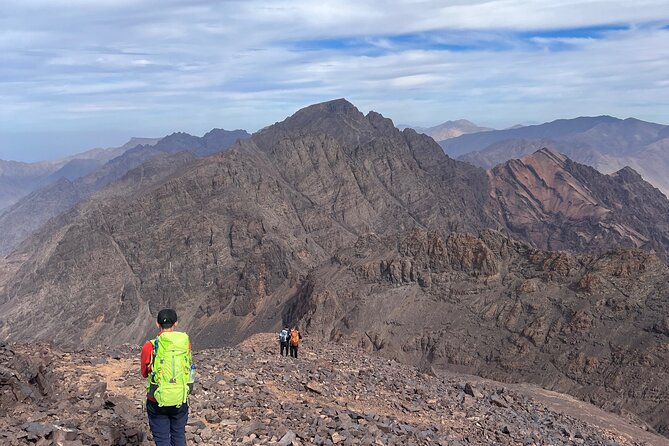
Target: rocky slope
(596, 327)
(558, 204)
(605, 143)
(250, 395)
(32, 211)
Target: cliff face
(595, 327)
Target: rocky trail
(332, 394)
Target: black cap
(167, 316)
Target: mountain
(29, 213)
(233, 236)
(18, 179)
(558, 129)
(591, 326)
(250, 395)
(82, 164)
(450, 129)
(605, 143)
(370, 235)
(559, 204)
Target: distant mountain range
(608, 144)
(540, 269)
(63, 191)
(449, 129)
(18, 179)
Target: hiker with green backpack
(167, 363)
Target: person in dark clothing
(284, 338)
(295, 337)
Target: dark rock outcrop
(590, 326)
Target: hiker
(284, 337)
(167, 363)
(295, 337)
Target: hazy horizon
(77, 76)
(102, 140)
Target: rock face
(605, 143)
(331, 395)
(590, 326)
(559, 204)
(32, 211)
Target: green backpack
(170, 372)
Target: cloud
(168, 65)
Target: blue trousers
(168, 424)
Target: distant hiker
(295, 337)
(284, 337)
(167, 363)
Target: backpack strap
(155, 350)
(154, 353)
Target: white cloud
(182, 65)
(101, 108)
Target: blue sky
(78, 74)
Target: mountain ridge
(17, 179)
(29, 213)
(605, 143)
(560, 204)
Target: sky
(79, 74)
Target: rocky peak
(627, 175)
(338, 119)
(217, 134)
(554, 201)
(380, 123)
(325, 115)
(544, 182)
(546, 155)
